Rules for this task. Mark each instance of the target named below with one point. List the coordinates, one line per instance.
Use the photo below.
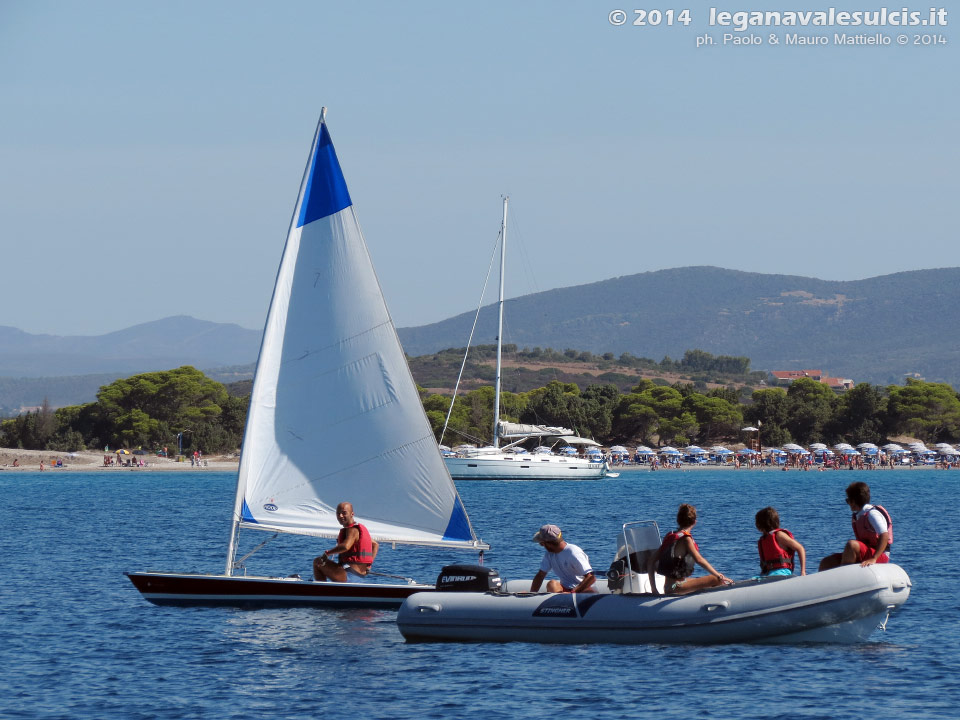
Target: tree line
(150, 410)
(681, 414)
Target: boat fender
(468, 578)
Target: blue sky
(150, 153)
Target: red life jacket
(864, 532)
(772, 556)
(362, 550)
(668, 564)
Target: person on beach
(356, 550)
(566, 560)
(872, 528)
(777, 546)
(677, 556)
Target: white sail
(334, 412)
(509, 429)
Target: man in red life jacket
(872, 527)
(355, 547)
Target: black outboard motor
(468, 578)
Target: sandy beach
(86, 460)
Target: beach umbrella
(866, 445)
(618, 448)
(123, 452)
(817, 446)
(792, 446)
(669, 451)
(645, 451)
(747, 451)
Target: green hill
(875, 330)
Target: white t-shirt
(876, 518)
(570, 565)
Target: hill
(875, 330)
(158, 345)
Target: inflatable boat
(843, 605)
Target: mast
(503, 255)
(243, 470)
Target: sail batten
(334, 412)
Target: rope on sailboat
(476, 317)
(238, 564)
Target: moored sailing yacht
(331, 373)
(496, 463)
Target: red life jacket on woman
(668, 565)
(772, 556)
(864, 531)
(362, 550)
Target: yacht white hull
(524, 467)
(844, 605)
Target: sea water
(78, 641)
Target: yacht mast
(496, 394)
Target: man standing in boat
(568, 562)
(357, 550)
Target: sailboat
(331, 374)
(494, 462)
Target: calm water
(76, 639)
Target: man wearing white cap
(568, 562)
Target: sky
(151, 152)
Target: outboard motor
(468, 578)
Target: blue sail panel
(459, 526)
(326, 191)
(245, 514)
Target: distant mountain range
(875, 330)
(158, 345)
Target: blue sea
(77, 640)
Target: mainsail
(334, 412)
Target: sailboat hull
(524, 467)
(240, 591)
(844, 605)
